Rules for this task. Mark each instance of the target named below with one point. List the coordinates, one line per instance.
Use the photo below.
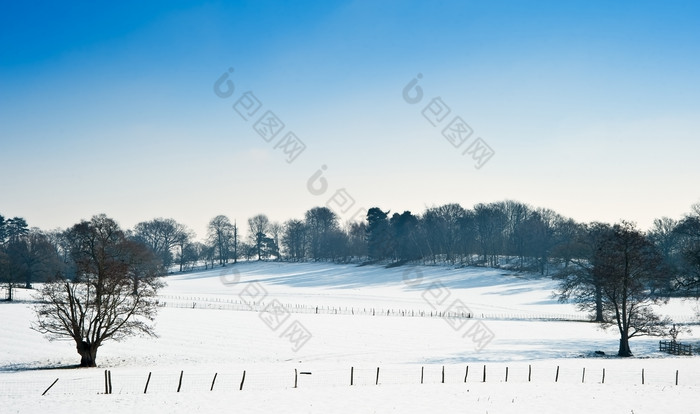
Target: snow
(207, 327)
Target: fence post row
(108, 377)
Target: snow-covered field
(270, 319)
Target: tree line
(506, 234)
(102, 280)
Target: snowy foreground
(323, 326)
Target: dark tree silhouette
(294, 240)
(406, 233)
(322, 233)
(259, 226)
(578, 281)
(223, 237)
(380, 241)
(162, 236)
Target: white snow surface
(357, 318)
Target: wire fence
(236, 304)
(203, 302)
(107, 382)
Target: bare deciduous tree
(258, 227)
(294, 240)
(111, 296)
(223, 237)
(163, 235)
(624, 269)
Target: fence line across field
(207, 302)
(97, 381)
(195, 302)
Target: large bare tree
(619, 283)
(110, 295)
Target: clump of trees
(26, 255)
(168, 239)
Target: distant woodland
(506, 234)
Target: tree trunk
(88, 353)
(624, 347)
(599, 304)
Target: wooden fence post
(529, 373)
(443, 374)
(106, 383)
(421, 374)
(179, 384)
(676, 377)
(147, 381)
(506, 374)
(242, 381)
(642, 376)
(603, 380)
(583, 376)
(556, 378)
(296, 375)
(52, 384)
(466, 374)
(352, 375)
(377, 381)
(484, 379)
(213, 381)
(109, 375)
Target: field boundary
(108, 382)
(201, 302)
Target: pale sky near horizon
(591, 108)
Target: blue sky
(591, 107)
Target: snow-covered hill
(271, 319)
